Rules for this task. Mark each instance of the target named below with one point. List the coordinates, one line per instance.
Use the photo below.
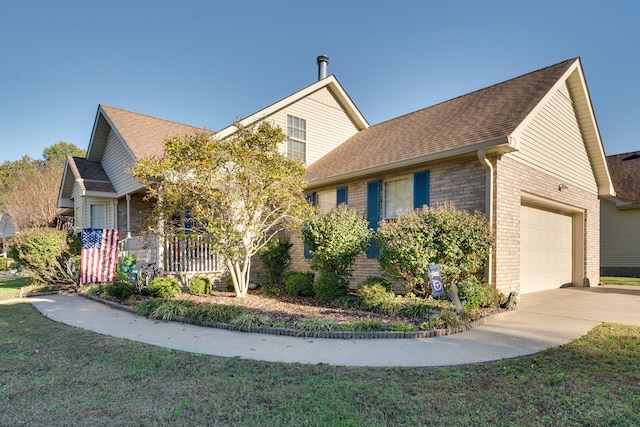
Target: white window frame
(297, 138)
(387, 187)
(93, 218)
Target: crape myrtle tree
(239, 191)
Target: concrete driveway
(542, 320)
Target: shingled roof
(625, 175)
(90, 175)
(144, 135)
(484, 115)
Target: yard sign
(436, 280)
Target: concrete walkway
(542, 320)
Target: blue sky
(206, 63)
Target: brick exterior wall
(463, 182)
(514, 180)
(140, 210)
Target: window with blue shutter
(341, 196)
(420, 189)
(373, 214)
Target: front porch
(180, 257)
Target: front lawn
(610, 280)
(55, 375)
(10, 288)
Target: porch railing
(192, 255)
(178, 256)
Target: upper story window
(296, 138)
(397, 197)
(98, 216)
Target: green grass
(11, 288)
(55, 375)
(610, 280)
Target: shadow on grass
(10, 287)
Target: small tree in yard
(335, 239)
(457, 240)
(239, 191)
(51, 256)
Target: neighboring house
(527, 152)
(100, 192)
(7, 231)
(620, 218)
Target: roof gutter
(503, 143)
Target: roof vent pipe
(323, 62)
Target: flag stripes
(99, 255)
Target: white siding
(328, 125)
(84, 206)
(553, 143)
(619, 236)
(116, 162)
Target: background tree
(56, 154)
(29, 187)
(239, 191)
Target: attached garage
(547, 248)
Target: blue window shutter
(341, 196)
(420, 189)
(309, 197)
(307, 254)
(373, 214)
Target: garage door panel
(546, 249)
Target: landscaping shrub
(335, 239)
(299, 284)
(374, 296)
(372, 280)
(276, 257)
(52, 256)
(121, 290)
(330, 286)
(218, 313)
(474, 294)
(164, 287)
(455, 239)
(200, 285)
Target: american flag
(99, 255)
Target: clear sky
(206, 63)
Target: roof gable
(144, 136)
(625, 175)
(486, 118)
(90, 177)
(330, 82)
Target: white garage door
(546, 250)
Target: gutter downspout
(486, 164)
